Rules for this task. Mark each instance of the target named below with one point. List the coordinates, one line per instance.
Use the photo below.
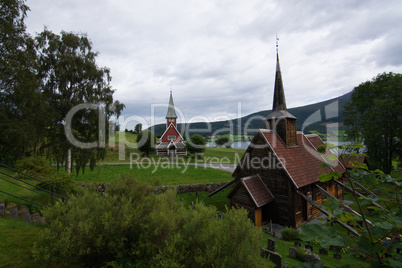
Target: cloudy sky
(218, 57)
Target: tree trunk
(68, 161)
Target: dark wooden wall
(273, 178)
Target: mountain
(313, 117)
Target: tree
(146, 141)
(69, 76)
(138, 128)
(224, 141)
(196, 144)
(21, 104)
(378, 221)
(374, 112)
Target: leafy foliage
(131, 226)
(196, 144)
(60, 180)
(36, 166)
(379, 215)
(21, 104)
(289, 234)
(146, 141)
(41, 80)
(69, 76)
(374, 115)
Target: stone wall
(209, 187)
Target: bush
(36, 166)
(289, 234)
(60, 180)
(132, 227)
(301, 254)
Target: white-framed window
(171, 138)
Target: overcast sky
(217, 54)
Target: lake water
(245, 144)
(235, 145)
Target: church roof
(257, 190)
(301, 163)
(279, 92)
(279, 104)
(171, 113)
(165, 145)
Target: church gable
(171, 134)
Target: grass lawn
(21, 192)
(16, 242)
(164, 174)
(233, 156)
(218, 200)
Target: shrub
(60, 180)
(132, 227)
(301, 254)
(289, 234)
(36, 166)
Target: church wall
(241, 199)
(273, 177)
(171, 131)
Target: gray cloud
(215, 54)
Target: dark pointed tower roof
(279, 105)
(279, 92)
(171, 113)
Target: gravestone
(271, 244)
(312, 258)
(297, 244)
(337, 256)
(309, 247)
(323, 251)
(274, 257)
(292, 253)
(192, 204)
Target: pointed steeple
(171, 113)
(279, 92)
(280, 120)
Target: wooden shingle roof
(257, 190)
(301, 163)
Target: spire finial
(277, 42)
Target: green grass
(329, 261)
(233, 156)
(165, 174)
(127, 138)
(20, 192)
(16, 242)
(219, 200)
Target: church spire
(279, 92)
(280, 120)
(171, 113)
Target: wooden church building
(172, 143)
(278, 175)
